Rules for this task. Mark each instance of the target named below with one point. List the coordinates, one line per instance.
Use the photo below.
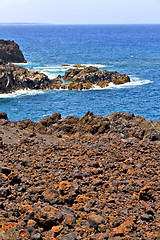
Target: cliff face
(10, 52)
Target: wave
(135, 81)
(54, 71)
(22, 92)
(95, 65)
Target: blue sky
(80, 12)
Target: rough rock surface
(13, 77)
(10, 52)
(88, 178)
(89, 76)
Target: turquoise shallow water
(130, 49)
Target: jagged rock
(14, 77)
(89, 76)
(10, 52)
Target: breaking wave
(22, 92)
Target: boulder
(10, 52)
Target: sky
(81, 11)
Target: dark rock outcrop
(13, 77)
(10, 52)
(89, 76)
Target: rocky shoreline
(90, 178)
(79, 77)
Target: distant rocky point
(10, 52)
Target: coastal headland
(80, 178)
(13, 77)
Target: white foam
(22, 92)
(135, 81)
(53, 71)
(95, 65)
(25, 64)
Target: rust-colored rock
(80, 178)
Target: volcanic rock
(89, 76)
(14, 77)
(10, 52)
(98, 179)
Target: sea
(129, 49)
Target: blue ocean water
(129, 49)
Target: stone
(145, 193)
(147, 217)
(89, 76)
(48, 216)
(10, 52)
(3, 115)
(95, 220)
(70, 236)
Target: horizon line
(26, 23)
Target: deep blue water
(130, 49)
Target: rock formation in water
(80, 178)
(13, 77)
(10, 52)
(88, 77)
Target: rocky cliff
(10, 52)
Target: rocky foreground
(80, 178)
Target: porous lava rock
(80, 178)
(10, 52)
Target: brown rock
(48, 216)
(95, 220)
(3, 115)
(89, 76)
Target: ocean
(128, 49)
